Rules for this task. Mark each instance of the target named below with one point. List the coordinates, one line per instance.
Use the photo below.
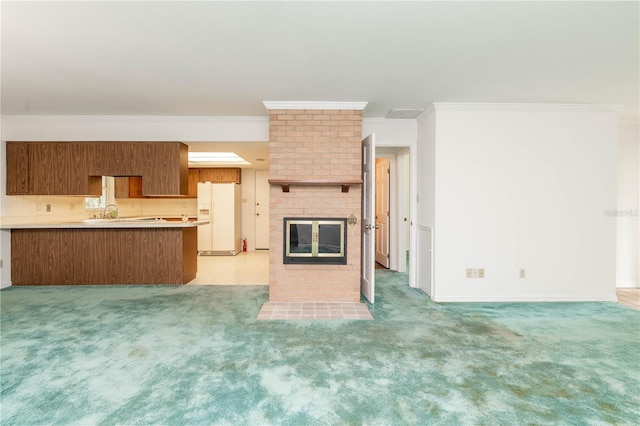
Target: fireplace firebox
(315, 241)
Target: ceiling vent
(404, 113)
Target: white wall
(521, 186)
(391, 132)
(118, 128)
(426, 167)
(628, 207)
(5, 235)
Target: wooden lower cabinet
(103, 256)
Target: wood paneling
(17, 168)
(103, 256)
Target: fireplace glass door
(312, 240)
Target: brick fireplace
(315, 172)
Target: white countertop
(108, 223)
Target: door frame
(393, 207)
(397, 257)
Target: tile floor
(314, 311)
(629, 297)
(247, 268)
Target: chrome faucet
(112, 215)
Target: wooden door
(382, 211)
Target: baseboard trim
(627, 284)
(525, 299)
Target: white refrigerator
(221, 205)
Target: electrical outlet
(475, 273)
(48, 207)
(522, 273)
(39, 207)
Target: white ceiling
(226, 58)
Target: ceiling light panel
(216, 158)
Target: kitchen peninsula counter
(113, 251)
(106, 223)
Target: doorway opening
(393, 208)
(383, 166)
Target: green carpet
(196, 355)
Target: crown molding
(134, 118)
(273, 105)
(471, 106)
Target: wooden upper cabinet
(116, 159)
(76, 168)
(60, 168)
(166, 169)
(121, 187)
(17, 168)
(135, 186)
(194, 178)
(221, 175)
(128, 187)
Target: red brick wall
(314, 144)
